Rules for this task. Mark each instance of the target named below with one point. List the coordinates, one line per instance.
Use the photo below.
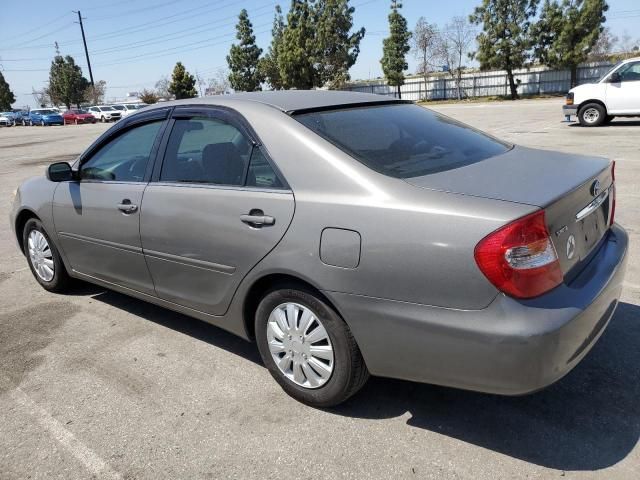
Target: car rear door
(623, 97)
(97, 217)
(215, 207)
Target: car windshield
(43, 112)
(602, 77)
(403, 141)
(118, 107)
(106, 109)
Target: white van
(615, 94)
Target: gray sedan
(347, 234)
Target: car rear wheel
(308, 349)
(592, 115)
(42, 124)
(43, 258)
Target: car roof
(289, 101)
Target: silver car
(347, 234)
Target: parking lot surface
(99, 385)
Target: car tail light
(519, 258)
(613, 193)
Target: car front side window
(123, 158)
(630, 72)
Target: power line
(160, 22)
(66, 25)
(50, 22)
(137, 10)
(181, 48)
(174, 36)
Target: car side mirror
(59, 172)
(615, 77)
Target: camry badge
(595, 188)
(571, 247)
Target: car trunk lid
(577, 213)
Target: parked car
(7, 119)
(21, 117)
(104, 113)
(127, 108)
(347, 234)
(45, 117)
(78, 116)
(615, 94)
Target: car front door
(97, 217)
(215, 207)
(623, 97)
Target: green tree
(244, 59)
(504, 42)
(269, 63)
(67, 86)
(183, 84)
(567, 31)
(338, 48)
(6, 95)
(297, 57)
(395, 48)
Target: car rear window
(403, 140)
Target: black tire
(349, 370)
(592, 115)
(42, 124)
(61, 280)
(102, 119)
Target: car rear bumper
(512, 347)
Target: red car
(78, 116)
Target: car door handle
(127, 207)
(259, 220)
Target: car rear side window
(206, 150)
(402, 140)
(123, 158)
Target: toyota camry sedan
(346, 234)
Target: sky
(133, 43)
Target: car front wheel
(43, 258)
(42, 124)
(308, 349)
(102, 119)
(592, 115)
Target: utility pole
(86, 52)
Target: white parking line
(92, 462)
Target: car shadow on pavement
(589, 420)
(614, 123)
(193, 327)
